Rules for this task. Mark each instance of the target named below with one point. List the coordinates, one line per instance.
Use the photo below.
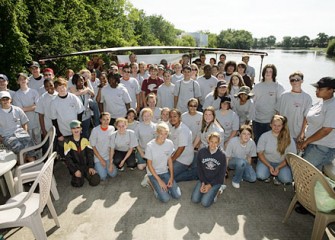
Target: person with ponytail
(272, 148)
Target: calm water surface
(312, 64)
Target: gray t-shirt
(193, 122)
(122, 142)
(267, 144)
(321, 115)
(266, 97)
(236, 149)
(133, 88)
(101, 139)
(295, 107)
(229, 122)
(210, 101)
(159, 155)
(212, 128)
(145, 133)
(25, 99)
(245, 112)
(12, 120)
(186, 90)
(206, 86)
(182, 137)
(115, 100)
(38, 85)
(165, 97)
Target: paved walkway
(122, 209)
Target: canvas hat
(221, 83)
(34, 64)
(245, 90)
(75, 124)
(4, 94)
(325, 82)
(4, 77)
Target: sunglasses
(295, 80)
(194, 69)
(193, 105)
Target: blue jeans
(243, 170)
(96, 113)
(183, 172)
(163, 196)
(140, 160)
(103, 171)
(263, 172)
(206, 199)
(259, 129)
(319, 155)
(86, 128)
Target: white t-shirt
(165, 97)
(209, 101)
(229, 122)
(193, 122)
(236, 149)
(38, 85)
(204, 135)
(186, 90)
(145, 133)
(122, 142)
(43, 107)
(133, 88)
(159, 155)
(245, 112)
(206, 86)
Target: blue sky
(261, 17)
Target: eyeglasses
(47, 74)
(194, 69)
(295, 80)
(193, 105)
(126, 71)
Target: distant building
(201, 39)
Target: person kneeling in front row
(160, 167)
(212, 165)
(79, 157)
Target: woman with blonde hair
(272, 148)
(194, 71)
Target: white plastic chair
(25, 208)
(35, 165)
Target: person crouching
(79, 157)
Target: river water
(312, 64)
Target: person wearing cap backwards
(36, 80)
(294, 104)
(14, 126)
(26, 98)
(79, 157)
(318, 140)
(4, 85)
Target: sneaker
(144, 182)
(267, 180)
(132, 168)
(221, 189)
(235, 185)
(121, 169)
(276, 181)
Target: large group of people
(188, 122)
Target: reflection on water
(313, 64)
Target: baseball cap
(222, 83)
(34, 64)
(75, 124)
(4, 94)
(4, 77)
(325, 82)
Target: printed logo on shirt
(211, 163)
(272, 94)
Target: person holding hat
(294, 104)
(317, 138)
(214, 98)
(244, 106)
(4, 85)
(36, 80)
(14, 127)
(79, 157)
(228, 120)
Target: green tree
(304, 41)
(163, 30)
(271, 41)
(14, 46)
(237, 39)
(331, 48)
(322, 40)
(212, 40)
(287, 42)
(187, 41)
